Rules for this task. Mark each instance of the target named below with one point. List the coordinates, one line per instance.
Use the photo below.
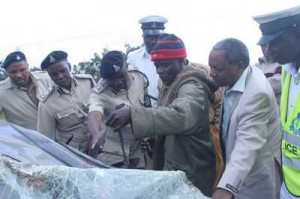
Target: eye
(62, 70)
(23, 70)
(218, 69)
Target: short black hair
(235, 51)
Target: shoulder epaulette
(100, 86)
(40, 74)
(143, 75)
(46, 94)
(85, 76)
(6, 84)
(132, 68)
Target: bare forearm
(94, 122)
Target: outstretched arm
(94, 125)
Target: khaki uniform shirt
(104, 100)
(63, 113)
(16, 105)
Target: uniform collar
(60, 90)
(144, 52)
(291, 68)
(262, 60)
(33, 83)
(129, 80)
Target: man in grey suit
(250, 124)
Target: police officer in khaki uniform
(21, 92)
(117, 86)
(62, 114)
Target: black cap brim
(153, 32)
(267, 38)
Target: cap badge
(116, 68)
(153, 25)
(18, 57)
(51, 59)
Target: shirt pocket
(68, 118)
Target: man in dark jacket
(180, 123)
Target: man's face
(150, 41)
(118, 81)
(264, 49)
(60, 74)
(19, 73)
(284, 49)
(168, 69)
(222, 72)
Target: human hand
(119, 118)
(96, 145)
(147, 145)
(94, 140)
(93, 152)
(222, 194)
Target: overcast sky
(83, 27)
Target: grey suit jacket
(253, 139)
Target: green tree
(35, 68)
(89, 67)
(3, 74)
(129, 49)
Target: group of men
(130, 107)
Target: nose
(18, 74)
(60, 76)
(212, 73)
(119, 81)
(267, 48)
(270, 49)
(159, 70)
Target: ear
(241, 65)
(70, 67)
(186, 62)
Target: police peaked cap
(274, 24)
(53, 58)
(14, 57)
(153, 24)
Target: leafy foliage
(35, 68)
(3, 74)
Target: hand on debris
(222, 194)
(146, 146)
(95, 146)
(95, 139)
(119, 118)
